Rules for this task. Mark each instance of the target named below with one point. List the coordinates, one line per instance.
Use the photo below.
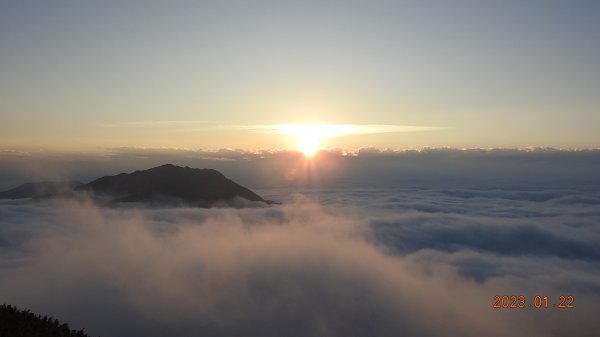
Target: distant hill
(170, 182)
(41, 190)
(163, 184)
(23, 323)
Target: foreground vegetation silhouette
(23, 323)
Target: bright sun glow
(308, 144)
(309, 135)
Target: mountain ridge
(165, 183)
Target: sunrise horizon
(212, 76)
(310, 168)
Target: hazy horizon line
(331, 150)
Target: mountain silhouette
(42, 189)
(170, 182)
(163, 184)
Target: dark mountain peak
(174, 169)
(202, 186)
(164, 168)
(171, 183)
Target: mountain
(169, 182)
(41, 190)
(164, 184)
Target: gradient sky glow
(193, 74)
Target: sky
(83, 75)
(428, 156)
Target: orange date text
(535, 302)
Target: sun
(309, 136)
(308, 143)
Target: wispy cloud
(337, 130)
(171, 123)
(321, 130)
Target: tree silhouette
(24, 323)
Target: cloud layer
(376, 262)
(495, 168)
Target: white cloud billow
(372, 262)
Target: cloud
(322, 130)
(418, 245)
(163, 123)
(455, 168)
(501, 237)
(504, 222)
(337, 130)
(364, 264)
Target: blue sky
(196, 74)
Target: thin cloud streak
(322, 130)
(337, 130)
(137, 124)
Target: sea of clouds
(329, 262)
(369, 243)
